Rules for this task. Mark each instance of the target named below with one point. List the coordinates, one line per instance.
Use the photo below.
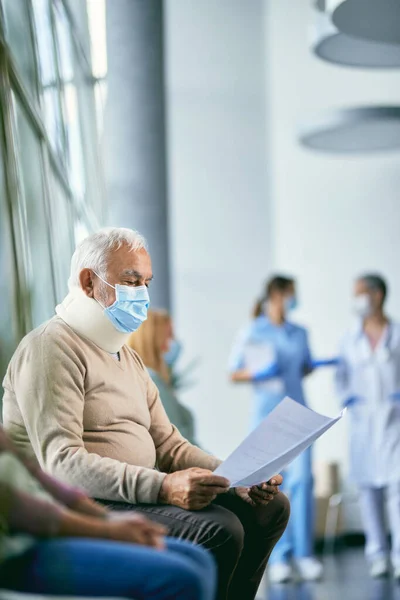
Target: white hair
(93, 252)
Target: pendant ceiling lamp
(354, 130)
(331, 45)
(374, 20)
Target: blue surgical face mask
(172, 355)
(130, 307)
(291, 303)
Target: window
(35, 220)
(51, 191)
(63, 240)
(20, 41)
(48, 75)
(9, 326)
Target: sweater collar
(86, 317)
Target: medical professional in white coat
(368, 380)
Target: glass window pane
(81, 230)
(8, 324)
(69, 96)
(19, 38)
(100, 95)
(79, 109)
(96, 11)
(87, 110)
(62, 226)
(39, 271)
(48, 75)
(45, 42)
(53, 121)
(64, 42)
(75, 153)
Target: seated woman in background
(153, 342)
(42, 521)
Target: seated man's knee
(235, 531)
(275, 514)
(282, 507)
(227, 532)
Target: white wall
(332, 217)
(245, 198)
(218, 195)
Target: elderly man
(82, 401)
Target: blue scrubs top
(263, 343)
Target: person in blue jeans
(273, 354)
(103, 568)
(54, 540)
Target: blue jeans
(86, 567)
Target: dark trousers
(241, 537)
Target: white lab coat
(372, 376)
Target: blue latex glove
(351, 401)
(268, 372)
(395, 396)
(327, 362)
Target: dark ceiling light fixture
(354, 130)
(333, 46)
(373, 20)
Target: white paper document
(286, 432)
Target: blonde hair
(147, 342)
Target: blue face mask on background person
(290, 303)
(172, 355)
(130, 307)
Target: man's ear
(86, 281)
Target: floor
(346, 578)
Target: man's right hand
(192, 489)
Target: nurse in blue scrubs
(273, 354)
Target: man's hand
(260, 494)
(192, 489)
(136, 529)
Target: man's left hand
(261, 494)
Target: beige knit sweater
(91, 420)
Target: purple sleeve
(25, 513)
(62, 493)
(65, 494)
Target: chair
(336, 501)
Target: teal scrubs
(258, 346)
(179, 415)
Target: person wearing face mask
(273, 355)
(80, 399)
(368, 383)
(157, 347)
